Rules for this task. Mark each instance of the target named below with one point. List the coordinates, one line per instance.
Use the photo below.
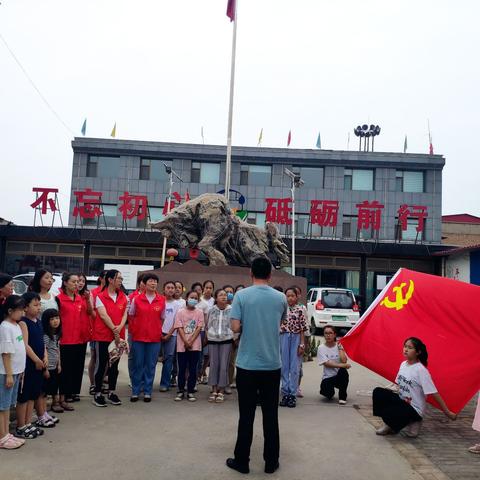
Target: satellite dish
(372, 128)
(377, 130)
(365, 127)
(357, 131)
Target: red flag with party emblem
(443, 313)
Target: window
(256, 218)
(411, 232)
(347, 230)
(411, 182)
(152, 169)
(337, 299)
(109, 217)
(205, 173)
(156, 215)
(358, 179)
(102, 167)
(303, 227)
(312, 177)
(256, 175)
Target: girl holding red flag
(146, 312)
(108, 326)
(414, 384)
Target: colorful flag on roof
(443, 313)
(114, 130)
(289, 139)
(260, 138)
(231, 8)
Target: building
(462, 263)
(461, 230)
(360, 215)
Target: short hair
(331, 327)
(29, 297)
(196, 284)
(261, 268)
(168, 282)
(228, 286)
(190, 292)
(293, 289)
(140, 279)
(149, 276)
(48, 314)
(13, 302)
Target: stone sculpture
(207, 223)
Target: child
(415, 383)
(12, 350)
(220, 339)
(292, 346)
(334, 360)
(188, 322)
(52, 331)
(37, 361)
(206, 303)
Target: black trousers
(261, 385)
(73, 363)
(187, 360)
(340, 381)
(102, 356)
(395, 412)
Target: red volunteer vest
(75, 327)
(87, 322)
(115, 310)
(146, 324)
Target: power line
(32, 83)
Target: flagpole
(228, 163)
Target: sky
(160, 69)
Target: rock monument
(207, 223)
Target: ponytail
(420, 348)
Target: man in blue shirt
(257, 312)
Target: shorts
(51, 385)
(8, 396)
(32, 386)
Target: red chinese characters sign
(43, 201)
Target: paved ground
(168, 440)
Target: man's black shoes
(234, 465)
(271, 467)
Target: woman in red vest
(146, 310)
(73, 343)
(109, 325)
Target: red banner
(443, 313)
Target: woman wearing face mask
(188, 322)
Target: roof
(461, 218)
(455, 251)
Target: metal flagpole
(293, 227)
(228, 164)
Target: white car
(331, 306)
(22, 281)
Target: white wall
(458, 267)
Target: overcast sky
(160, 69)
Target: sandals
(66, 407)
(56, 408)
(9, 442)
(28, 431)
(220, 398)
(213, 397)
(45, 422)
(475, 449)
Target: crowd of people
(44, 340)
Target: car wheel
(313, 328)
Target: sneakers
(284, 401)
(134, 398)
(147, 398)
(113, 399)
(191, 397)
(179, 397)
(292, 403)
(228, 391)
(99, 400)
(342, 402)
(163, 389)
(385, 430)
(271, 467)
(412, 430)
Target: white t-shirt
(11, 341)
(324, 354)
(50, 303)
(205, 306)
(415, 383)
(99, 303)
(171, 309)
(132, 309)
